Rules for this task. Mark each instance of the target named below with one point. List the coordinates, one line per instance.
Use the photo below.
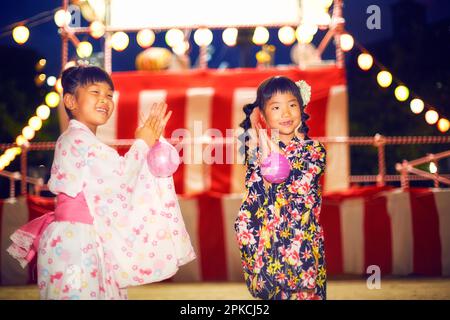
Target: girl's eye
(94, 91)
(293, 105)
(110, 96)
(275, 108)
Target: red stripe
(37, 206)
(211, 238)
(426, 239)
(176, 101)
(377, 235)
(331, 223)
(222, 105)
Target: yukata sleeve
(318, 157)
(132, 162)
(68, 172)
(314, 160)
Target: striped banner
(401, 232)
(208, 103)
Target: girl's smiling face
(282, 113)
(92, 104)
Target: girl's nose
(286, 112)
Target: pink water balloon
(163, 159)
(275, 168)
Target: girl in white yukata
(115, 225)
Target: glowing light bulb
(365, 61)
(401, 93)
(120, 41)
(286, 35)
(203, 37)
(229, 36)
(84, 49)
(431, 117)
(416, 106)
(43, 112)
(35, 123)
(145, 38)
(52, 99)
(384, 79)
(260, 36)
(21, 34)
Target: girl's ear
(69, 101)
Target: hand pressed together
(153, 127)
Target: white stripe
(108, 131)
(337, 172)
(192, 270)
(230, 209)
(442, 200)
(399, 209)
(241, 97)
(198, 109)
(15, 214)
(146, 99)
(352, 224)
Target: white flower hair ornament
(305, 91)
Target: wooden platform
(344, 289)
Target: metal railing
(378, 141)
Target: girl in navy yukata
(280, 238)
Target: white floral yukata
(138, 234)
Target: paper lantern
(97, 29)
(365, 61)
(229, 36)
(401, 93)
(347, 42)
(286, 35)
(21, 34)
(416, 106)
(120, 41)
(28, 133)
(384, 79)
(35, 122)
(52, 99)
(431, 117)
(84, 49)
(260, 36)
(443, 125)
(203, 37)
(145, 38)
(43, 112)
(20, 140)
(174, 37)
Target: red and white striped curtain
(401, 232)
(215, 98)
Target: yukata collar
(79, 125)
(295, 140)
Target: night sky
(45, 40)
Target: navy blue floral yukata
(278, 231)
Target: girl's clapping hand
(153, 127)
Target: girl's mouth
(286, 123)
(103, 110)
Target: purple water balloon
(163, 159)
(275, 168)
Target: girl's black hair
(266, 90)
(80, 76)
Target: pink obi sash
(26, 238)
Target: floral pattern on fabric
(278, 230)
